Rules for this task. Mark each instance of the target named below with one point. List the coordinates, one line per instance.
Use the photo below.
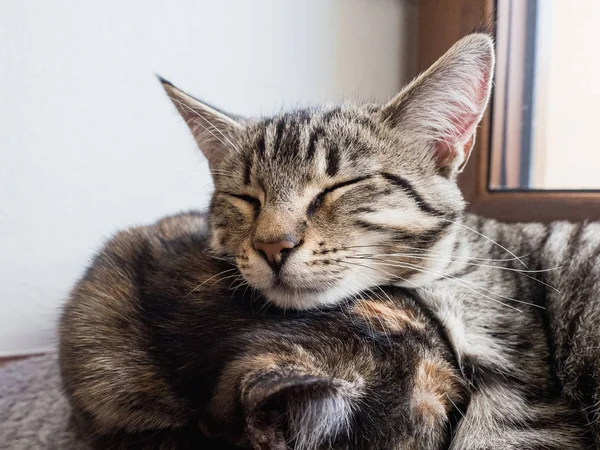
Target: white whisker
(207, 280)
(450, 259)
(463, 283)
(460, 281)
(457, 408)
(425, 251)
(486, 238)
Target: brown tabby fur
(158, 350)
(173, 330)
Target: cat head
(315, 205)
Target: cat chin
(303, 299)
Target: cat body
(157, 321)
(312, 211)
(160, 349)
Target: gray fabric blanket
(34, 413)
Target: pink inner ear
(459, 136)
(451, 147)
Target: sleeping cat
(163, 348)
(316, 207)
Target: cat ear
(293, 408)
(443, 105)
(213, 130)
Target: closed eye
(246, 198)
(318, 200)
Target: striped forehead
(300, 137)
(298, 147)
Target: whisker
(450, 259)
(264, 308)
(465, 284)
(523, 272)
(486, 238)
(227, 259)
(207, 280)
(424, 250)
(457, 408)
(241, 282)
(457, 281)
(384, 272)
(246, 290)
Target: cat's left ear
(442, 107)
(214, 131)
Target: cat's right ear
(291, 407)
(214, 131)
(442, 107)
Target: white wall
(89, 143)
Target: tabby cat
(314, 210)
(161, 348)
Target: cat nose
(275, 252)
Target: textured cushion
(34, 413)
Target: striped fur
(368, 195)
(526, 338)
(160, 350)
(398, 219)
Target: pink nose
(275, 251)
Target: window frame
(441, 23)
